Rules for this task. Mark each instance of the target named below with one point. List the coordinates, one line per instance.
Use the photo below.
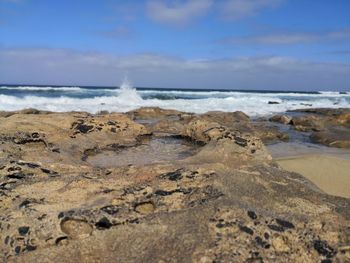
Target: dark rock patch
(260, 242)
(83, 128)
(276, 228)
(173, 176)
(17, 249)
(23, 230)
(30, 248)
(103, 224)
(284, 223)
(246, 230)
(323, 248)
(252, 215)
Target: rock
(220, 198)
(284, 119)
(273, 102)
(307, 123)
(269, 133)
(330, 127)
(333, 137)
(343, 119)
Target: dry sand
(329, 173)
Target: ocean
(126, 98)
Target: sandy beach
(329, 172)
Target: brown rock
(284, 119)
(190, 200)
(307, 123)
(334, 137)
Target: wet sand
(330, 173)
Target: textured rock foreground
(156, 186)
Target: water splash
(128, 92)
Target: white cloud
(175, 12)
(237, 9)
(68, 67)
(290, 38)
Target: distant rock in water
(273, 102)
(306, 104)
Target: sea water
(126, 98)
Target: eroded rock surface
(216, 196)
(330, 127)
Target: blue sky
(238, 44)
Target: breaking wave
(126, 98)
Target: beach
(330, 173)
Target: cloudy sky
(221, 44)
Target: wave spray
(128, 92)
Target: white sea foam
(252, 105)
(127, 98)
(36, 88)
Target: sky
(218, 44)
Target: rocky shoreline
(156, 185)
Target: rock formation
(155, 185)
(330, 127)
